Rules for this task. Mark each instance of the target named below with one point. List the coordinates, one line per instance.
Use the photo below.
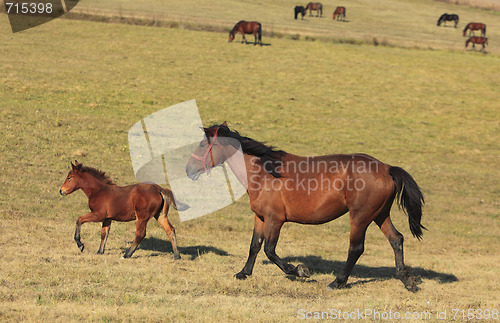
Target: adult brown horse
(471, 26)
(247, 27)
(339, 13)
(283, 187)
(477, 40)
(315, 6)
(108, 202)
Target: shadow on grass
(252, 43)
(321, 266)
(164, 246)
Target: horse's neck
(91, 185)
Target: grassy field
(72, 89)
(389, 22)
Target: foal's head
(76, 179)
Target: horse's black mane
(97, 174)
(269, 156)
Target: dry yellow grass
(435, 113)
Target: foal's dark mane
(268, 155)
(99, 174)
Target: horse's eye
(69, 178)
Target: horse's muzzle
(62, 192)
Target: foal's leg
(89, 217)
(356, 248)
(255, 245)
(106, 224)
(140, 233)
(169, 229)
(271, 234)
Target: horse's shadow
(164, 246)
(252, 43)
(321, 266)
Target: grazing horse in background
(339, 13)
(315, 6)
(477, 40)
(283, 187)
(108, 202)
(446, 17)
(301, 10)
(247, 27)
(471, 26)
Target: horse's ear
(72, 166)
(224, 124)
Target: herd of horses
(470, 28)
(253, 27)
(338, 13)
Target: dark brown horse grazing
(283, 187)
(315, 6)
(247, 27)
(301, 10)
(471, 26)
(446, 17)
(339, 13)
(108, 202)
(477, 40)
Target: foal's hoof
(81, 247)
(411, 283)
(241, 276)
(336, 285)
(302, 271)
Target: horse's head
(231, 36)
(72, 182)
(211, 152)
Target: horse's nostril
(62, 192)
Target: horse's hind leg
(356, 249)
(255, 245)
(106, 224)
(396, 240)
(170, 231)
(140, 233)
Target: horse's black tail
(409, 198)
(484, 30)
(321, 9)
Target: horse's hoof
(302, 271)
(81, 247)
(177, 257)
(241, 276)
(335, 285)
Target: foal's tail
(409, 198)
(168, 196)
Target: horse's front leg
(255, 245)
(89, 217)
(271, 234)
(243, 39)
(106, 224)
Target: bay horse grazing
(108, 202)
(301, 10)
(446, 17)
(315, 6)
(477, 40)
(283, 187)
(247, 27)
(471, 26)
(339, 13)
